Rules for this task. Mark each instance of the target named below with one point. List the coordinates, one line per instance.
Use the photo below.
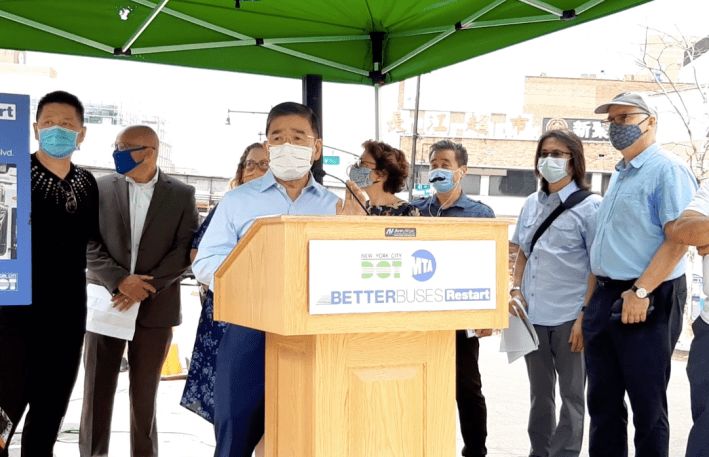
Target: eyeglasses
(250, 165)
(128, 147)
(298, 138)
(553, 154)
(70, 196)
(621, 119)
(359, 163)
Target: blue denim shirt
(239, 209)
(556, 275)
(463, 207)
(643, 195)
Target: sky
(196, 101)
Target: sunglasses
(71, 204)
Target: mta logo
(383, 269)
(424, 265)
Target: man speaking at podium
(448, 165)
(294, 143)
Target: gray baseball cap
(636, 99)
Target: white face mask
(553, 169)
(289, 162)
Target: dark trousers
(698, 374)
(469, 395)
(38, 368)
(239, 395)
(632, 358)
(102, 363)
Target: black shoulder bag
(573, 200)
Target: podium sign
(376, 276)
(15, 237)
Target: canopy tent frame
(378, 71)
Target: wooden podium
(375, 384)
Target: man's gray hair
(461, 154)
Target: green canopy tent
(349, 41)
(371, 42)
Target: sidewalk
(184, 434)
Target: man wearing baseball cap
(634, 318)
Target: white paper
(519, 338)
(104, 319)
(705, 273)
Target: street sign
(422, 190)
(330, 160)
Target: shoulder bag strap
(573, 200)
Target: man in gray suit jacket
(147, 220)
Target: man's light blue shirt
(241, 206)
(643, 195)
(556, 275)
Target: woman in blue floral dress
(198, 395)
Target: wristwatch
(515, 288)
(640, 292)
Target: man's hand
(576, 337)
(483, 332)
(703, 250)
(122, 303)
(634, 308)
(135, 288)
(350, 207)
(514, 305)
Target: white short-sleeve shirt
(700, 204)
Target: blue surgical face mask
(553, 169)
(442, 180)
(361, 176)
(124, 160)
(58, 142)
(624, 136)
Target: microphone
(319, 173)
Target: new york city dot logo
(383, 269)
(424, 266)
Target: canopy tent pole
(312, 98)
(414, 137)
(376, 112)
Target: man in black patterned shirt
(40, 344)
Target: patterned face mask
(624, 136)
(442, 180)
(360, 176)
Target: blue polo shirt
(556, 275)
(463, 207)
(643, 195)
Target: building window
(517, 183)
(471, 184)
